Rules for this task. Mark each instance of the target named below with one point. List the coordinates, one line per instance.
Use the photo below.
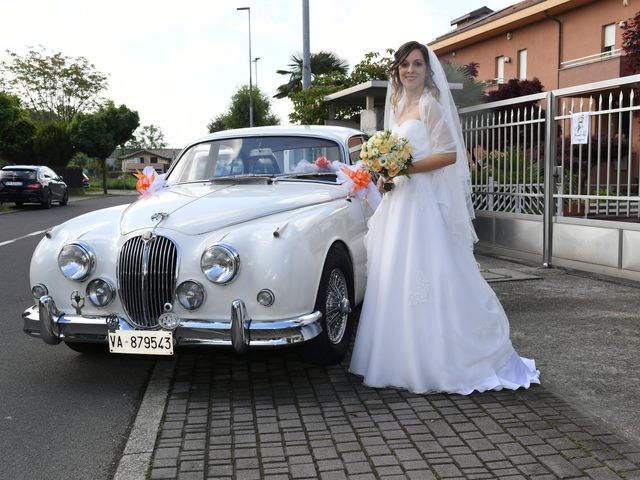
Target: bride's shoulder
(429, 105)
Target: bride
(429, 321)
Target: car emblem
(159, 216)
(148, 235)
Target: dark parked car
(32, 184)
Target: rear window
(18, 173)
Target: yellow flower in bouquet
(387, 155)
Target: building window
(522, 64)
(609, 37)
(500, 69)
(154, 159)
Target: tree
(321, 63)
(372, 67)
(631, 45)
(145, 137)
(472, 91)
(309, 107)
(52, 144)
(98, 134)
(515, 88)
(238, 114)
(53, 83)
(215, 125)
(16, 130)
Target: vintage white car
(252, 242)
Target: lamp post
(255, 62)
(248, 9)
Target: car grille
(147, 278)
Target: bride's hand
(380, 184)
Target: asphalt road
(63, 415)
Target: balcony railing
(596, 57)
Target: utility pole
(306, 56)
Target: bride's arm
(433, 162)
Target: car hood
(195, 209)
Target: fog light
(190, 294)
(39, 290)
(266, 297)
(100, 292)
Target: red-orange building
(561, 42)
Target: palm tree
(472, 89)
(322, 63)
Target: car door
(55, 184)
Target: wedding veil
(454, 194)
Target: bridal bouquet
(387, 155)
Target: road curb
(138, 451)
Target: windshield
(18, 173)
(269, 156)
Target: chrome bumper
(44, 320)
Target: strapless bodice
(414, 131)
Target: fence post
(549, 187)
(490, 196)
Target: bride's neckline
(407, 120)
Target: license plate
(13, 184)
(141, 342)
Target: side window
(355, 145)
(609, 38)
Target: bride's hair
(394, 75)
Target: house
(158, 158)
(561, 42)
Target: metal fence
(523, 159)
(507, 144)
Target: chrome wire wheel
(337, 306)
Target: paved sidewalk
(269, 415)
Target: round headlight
(220, 263)
(190, 294)
(100, 292)
(76, 261)
(38, 291)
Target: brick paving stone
(491, 455)
(161, 473)
(423, 475)
(335, 475)
(559, 466)
(447, 470)
(199, 475)
(602, 473)
(388, 470)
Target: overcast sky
(178, 63)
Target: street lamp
(248, 9)
(255, 62)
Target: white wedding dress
(429, 321)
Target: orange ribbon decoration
(144, 182)
(359, 177)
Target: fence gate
(555, 176)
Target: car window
(18, 173)
(253, 155)
(355, 145)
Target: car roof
(331, 132)
(21, 167)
